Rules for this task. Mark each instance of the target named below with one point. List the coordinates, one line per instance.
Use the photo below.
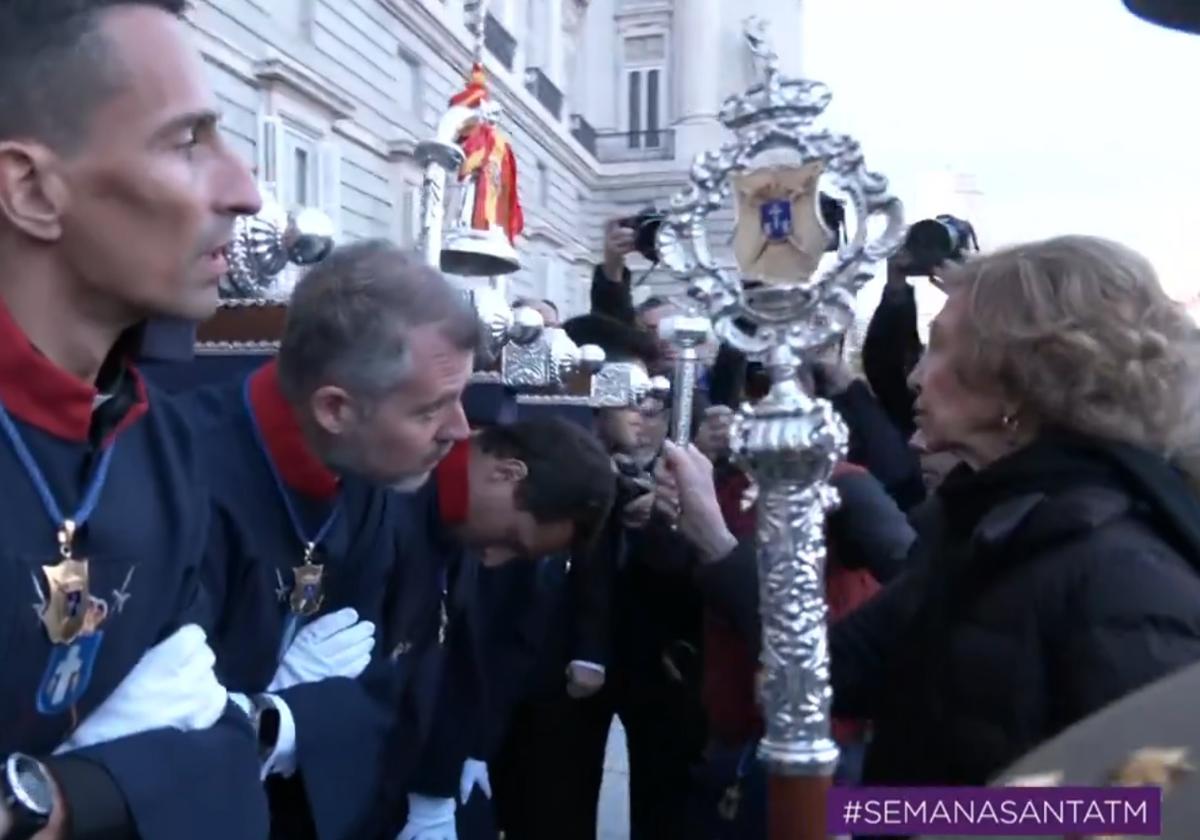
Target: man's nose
(235, 188)
(456, 427)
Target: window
(645, 69)
(300, 167)
(300, 176)
(408, 85)
(543, 185)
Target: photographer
(611, 280)
(892, 346)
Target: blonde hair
(1079, 332)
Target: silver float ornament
(503, 325)
(779, 309)
(550, 362)
(267, 242)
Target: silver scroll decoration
(779, 309)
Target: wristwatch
(28, 794)
(266, 723)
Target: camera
(931, 242)
(833, 214)
(645, 227)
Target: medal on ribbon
(66, 608)
(70, 610)
(307, 594)
(307, 585)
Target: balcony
(633, 146)
(498, 41)
(582, 130)
(537, 83)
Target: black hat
(620, 342)
(1183, 15)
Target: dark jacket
(1049, 584)
(613, 298)
(1061, 578)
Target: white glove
(429, 819)
(335, 645)
(172, 686)
(474, 774)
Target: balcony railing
(499, 42)
(629, 146)
(584, 133)
(537, 83)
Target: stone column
(554, 47)
(696, 49)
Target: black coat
(1059, 580)
(1040, 590)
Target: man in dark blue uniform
(117, 201)
(623, 641)
(312, 548)
(502, 496)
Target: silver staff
(687, 332)
(781, 311)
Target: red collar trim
(40, 393)
(453, 483)
(298, 467)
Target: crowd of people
(322, 601)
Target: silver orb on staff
(781, 307)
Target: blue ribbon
(297, 525)
(91, 495)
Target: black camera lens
(932, 242)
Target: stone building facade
(607, 102)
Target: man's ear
(510, 470)
(33, 194)
(333, 409)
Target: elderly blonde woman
(1061, 567)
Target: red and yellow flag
(488, 158)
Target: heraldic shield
(778, 237)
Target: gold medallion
(69, 610)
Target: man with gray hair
(307, 558)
